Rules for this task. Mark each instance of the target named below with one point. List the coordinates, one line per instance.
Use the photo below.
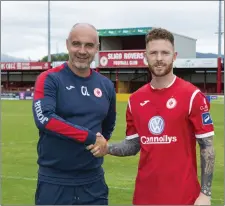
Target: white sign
(196, 63)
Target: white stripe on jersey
(192, 98)
(132, 136)
(209, 134)
(129, 105)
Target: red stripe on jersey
(66, 130)
(40, 83)
(90, 73)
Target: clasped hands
(100, 148)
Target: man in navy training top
(71, 105)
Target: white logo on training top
(156, 125)
(171, 103)
(39, 112)
(84, 91)
(70, 87)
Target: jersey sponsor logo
(204, 107)
(97, 92)
(144, 103)
(165, 139)
(156, 125)
(37, 107)
(206, 118)
(84, 91)
(70, 87)
(171, 103)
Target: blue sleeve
(110, 120)
(45, 117)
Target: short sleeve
(199, 115)
(131, 131)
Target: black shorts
(95, 193)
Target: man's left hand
(203, 200)
(96, 150)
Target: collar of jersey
(79, 77)
(171, 84)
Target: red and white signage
(6, 66)
(135, 59)
(122, 59)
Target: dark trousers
(95, 193)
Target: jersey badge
(171, 103)
(97, 92)
(206, 119)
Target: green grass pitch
(19, 168)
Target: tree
(56, 57)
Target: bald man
(72, 104)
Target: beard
(160, 71)
(80, 64)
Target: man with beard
(164, 120)
(71, 105)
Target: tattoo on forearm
(125, 148)
(207, 164)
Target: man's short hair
(159, 33)
(87, 24)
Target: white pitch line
(16, 115)
(35, 179)
(19, 142)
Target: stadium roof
(129, 32)
(124, 31)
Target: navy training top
(69, 110)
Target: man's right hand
(100, 147)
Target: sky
(24, 32)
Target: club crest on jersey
(97, 92)
(171, 103)
(156, 125)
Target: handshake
(100, 148)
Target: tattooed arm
(207, 156)
(127, 147)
